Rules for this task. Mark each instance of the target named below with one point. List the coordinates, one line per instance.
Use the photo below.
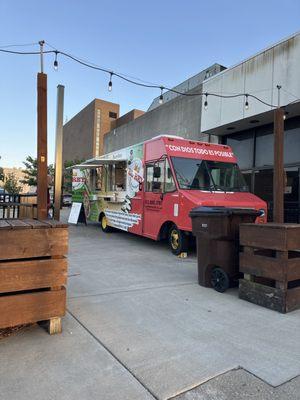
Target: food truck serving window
(195, 174)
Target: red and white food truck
(149, 189)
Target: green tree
(11, 184)
(1, 174)
(30, 171)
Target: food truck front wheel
(178, 240)
(103, 222)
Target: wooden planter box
(33, 272)
(270, 261)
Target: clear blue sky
(159, 41)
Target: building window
(259, 174)
(292, 146)
(113, 115)
(264, 154)
(242, 145)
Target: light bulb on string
(246, 103)
(285, 115)
(161, 97)
(206, 102)
(110, 82)
(55, 64)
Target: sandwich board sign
(77, 214)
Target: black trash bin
(217, 234)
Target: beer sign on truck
(149, 188)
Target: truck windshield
(195, 174)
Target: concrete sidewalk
(140, 327)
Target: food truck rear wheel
(103, 222)
(178, 241)
(219, 280)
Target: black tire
(219, 280)
(178, 241)
(103, 222)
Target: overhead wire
(96, 65)
(134, 81)
(19, 45)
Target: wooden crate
(24, 308)
(270, 261)
(33, 272)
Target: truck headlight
(262, 212)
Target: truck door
(159, 197)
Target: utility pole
(278, 175)
(42, 165)
(58, 151)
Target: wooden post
(58, 151)
(42, 169)
(278, 176)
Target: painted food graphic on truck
(135, 175)
(120, 181)
(86, 204)
(126, 207)
(78, 179)
(123, 217)
(81, 193)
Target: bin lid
(217, 211)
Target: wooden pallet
(33, 272)
(270, 261)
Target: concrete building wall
(180, 116)
(188, 84)
(128, 117)
(258, 75)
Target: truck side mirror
(156, 172)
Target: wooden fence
(18, 206)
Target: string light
(110, 82)
(206, 102)
(161, 97)
(55, 64)
(246, 102)
(134, 80)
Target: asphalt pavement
(139, 326)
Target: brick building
(83, 135)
